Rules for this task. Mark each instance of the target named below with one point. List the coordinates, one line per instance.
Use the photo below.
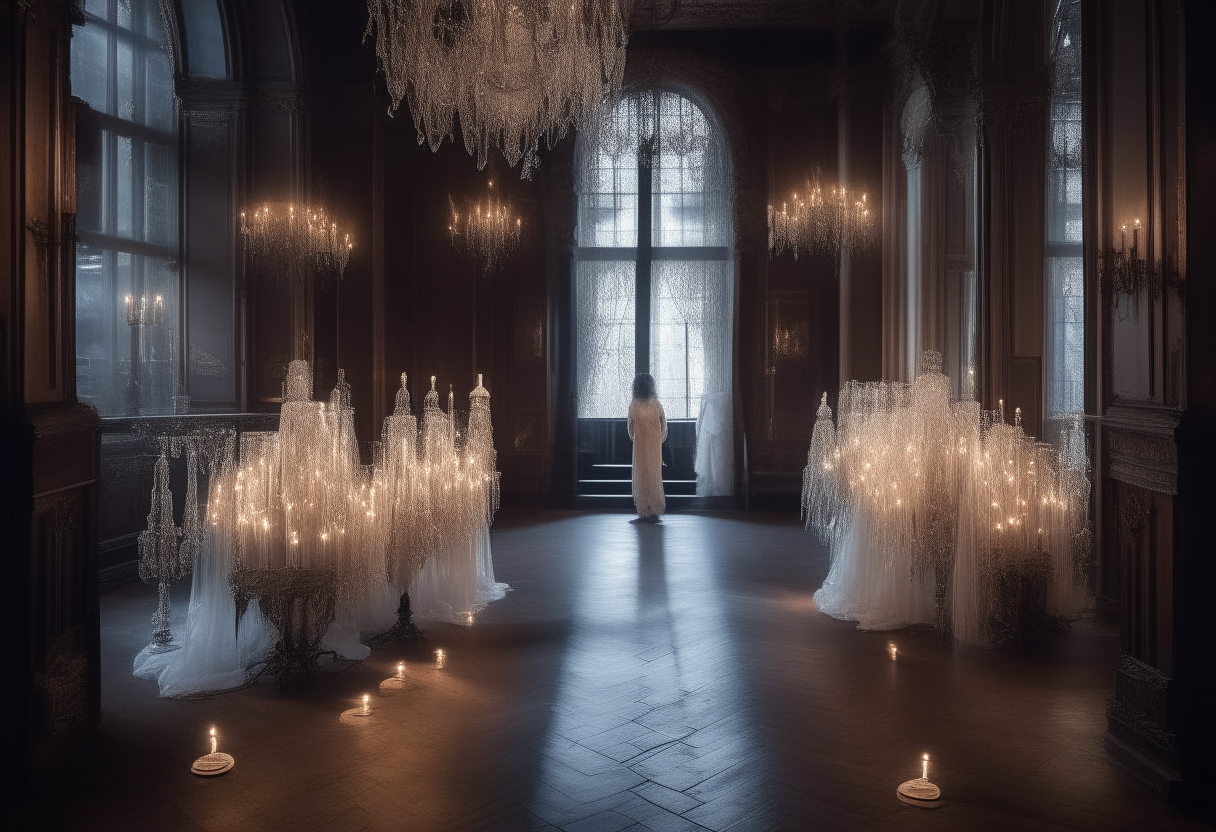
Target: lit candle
(214, 741)
(924, 767)
(891, 649)
(367, 709)
(400, 670)
(440, 658)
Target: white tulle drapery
(299, 501)
(937, 512)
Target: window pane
(204, 39)
(158, 92)
(89, 65)
(124, 188)
(160, 194)
(605, 300)
(689, 332)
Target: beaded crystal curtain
(1065, 363)
(690, 264)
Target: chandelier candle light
(515, 74)
(285, 241)
(485, 232)
(825, 218)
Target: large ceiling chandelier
(514, 71)
(825, 218)
(486, 232)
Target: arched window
(130, 344)
(654, 278)
(1065, 278)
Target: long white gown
(648, 429)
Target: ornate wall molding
(1140, 449)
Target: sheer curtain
(689, 259)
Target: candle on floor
(366, 708)
(400, 670)
(214, 741)
(892, 651)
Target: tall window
(654, 271)
(914, 121)
(127, 287)
(1065, 284)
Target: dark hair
(643, 386)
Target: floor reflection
(650, 724)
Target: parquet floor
(637, 677)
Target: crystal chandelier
(485, 232)
(295, 523)
(827, 217)
(982, 530)
(285, 242)
(515, 73)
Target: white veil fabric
(215, 653)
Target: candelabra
(513, 73)
(168, 551)
(825, 218)
(289, 242)
(485, 232)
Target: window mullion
(641, 303)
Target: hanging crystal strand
(290, 242)
(820, 486)
(158, 548)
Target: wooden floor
(671, 676)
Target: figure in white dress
(647, 429)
